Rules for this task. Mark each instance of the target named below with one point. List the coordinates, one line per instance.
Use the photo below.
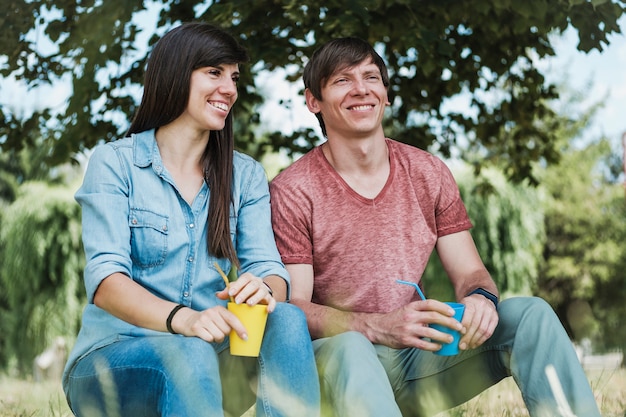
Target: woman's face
(212, 93)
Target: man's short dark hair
(336, 55)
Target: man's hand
(408, 325)
(480, 320)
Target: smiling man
(362, 210)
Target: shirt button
(191, 225)
(134, 221)
(186, 294)
(190, 259)
(164, 228)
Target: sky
(600, 75)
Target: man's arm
(323, 321)
(406, 326)
(467, 272)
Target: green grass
(505, 400)
(20, 398)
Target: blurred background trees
(548, 210)
(435, 50)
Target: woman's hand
(212, 324)
(251, 290)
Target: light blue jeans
(361, 379)
(173, 375)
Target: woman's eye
(214, 72)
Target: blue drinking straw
(417, 287)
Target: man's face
(353, 101)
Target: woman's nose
(228, 87)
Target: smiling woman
(160, 209)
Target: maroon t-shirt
(359, 246)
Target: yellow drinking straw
(225, 279)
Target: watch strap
(492, 297)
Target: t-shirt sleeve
(450, 212)
(291, 224)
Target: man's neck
(363, 164)
(357, 155)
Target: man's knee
(529, 315)
(343, 351)
(517, 308)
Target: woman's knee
(287, 319)
(140, 373)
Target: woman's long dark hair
(166, 93)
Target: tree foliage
(41, 263)
(584, 259)
(435, 49)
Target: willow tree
(508, 231)
(41, 263)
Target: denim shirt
(134, 221)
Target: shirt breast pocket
(148, 237)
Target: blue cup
(450, 349)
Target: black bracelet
(491, 297)
(168, 322)
(269, 289)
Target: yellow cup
(253, 319)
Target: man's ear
(311, 102)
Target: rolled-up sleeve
(256, 247)
(103, 198)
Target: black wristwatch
(492, 297)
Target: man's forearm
(480, 279)
(324, 321)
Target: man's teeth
(367, 107)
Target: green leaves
(584, 257)
(40, 270)
(436, 50)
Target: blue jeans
(173, 375)
(361, 379)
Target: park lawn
(505, 400)
(20, 398)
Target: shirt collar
(146, 149)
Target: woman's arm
(129, 301)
